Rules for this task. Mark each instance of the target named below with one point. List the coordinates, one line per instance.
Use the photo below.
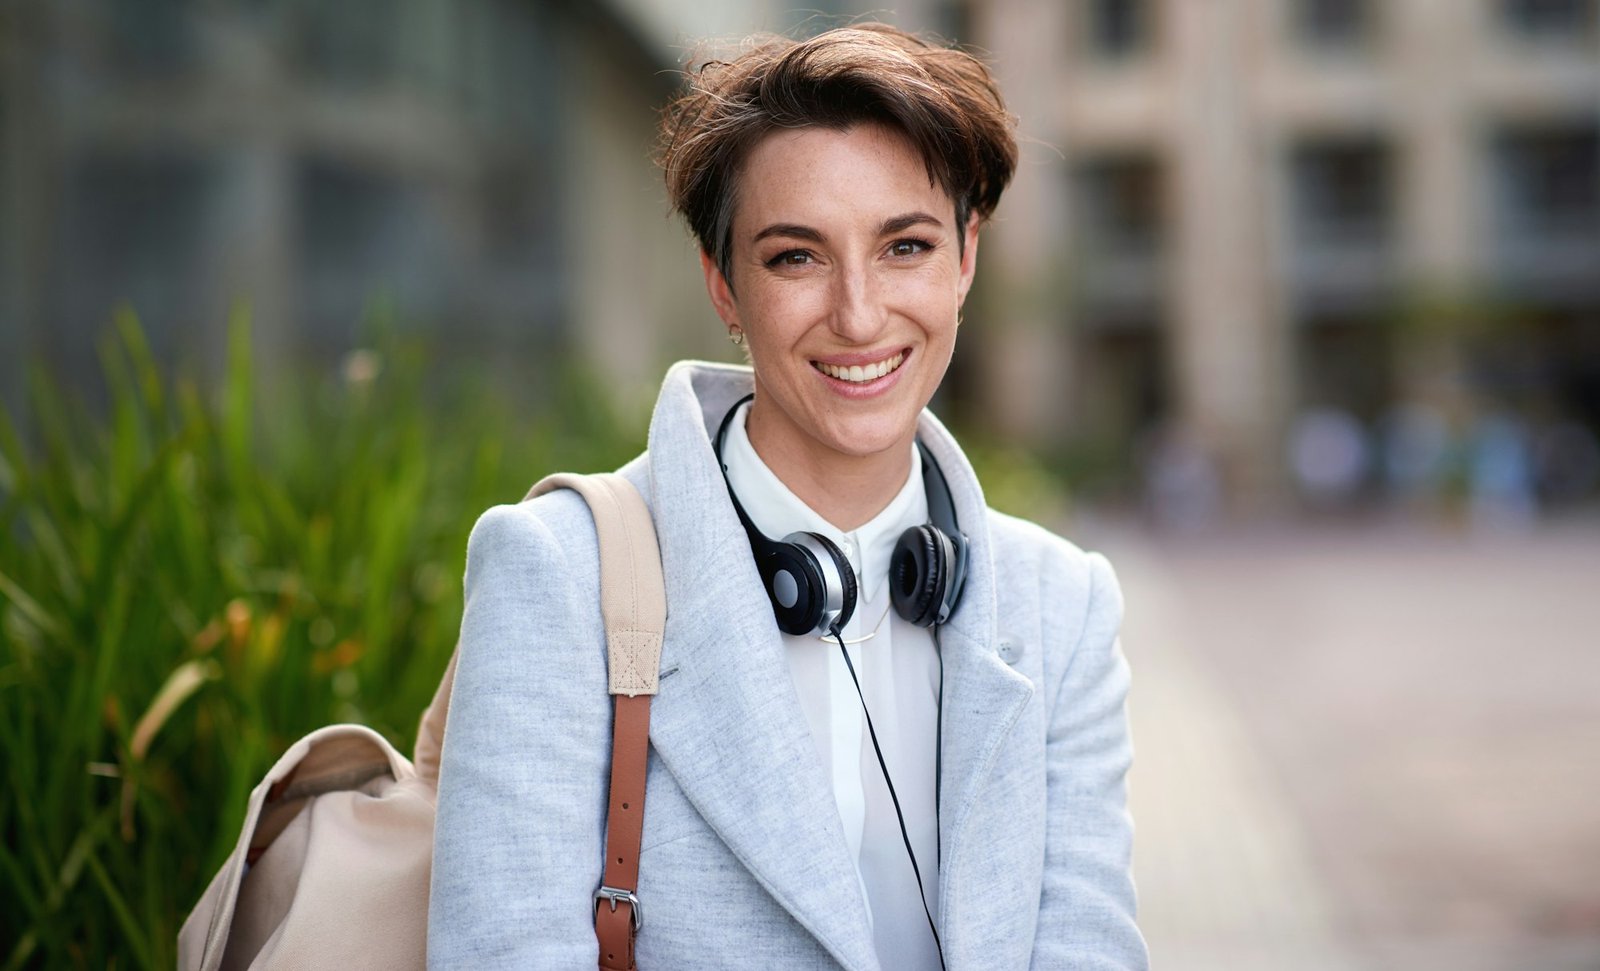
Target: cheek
(933, 286)
(781, 312)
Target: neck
(846, 490)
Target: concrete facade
(1227, 204)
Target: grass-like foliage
(191, 579)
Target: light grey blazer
(744, 862)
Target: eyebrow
(792, 230)
(899, 224)
(890, 226)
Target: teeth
(858, 374)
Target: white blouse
(898, 667)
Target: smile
(860, 374)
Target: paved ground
(1369, 747)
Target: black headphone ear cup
(796, 587)
(917, 573)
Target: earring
(736, 335)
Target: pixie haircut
(943, 100)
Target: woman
(937, 783)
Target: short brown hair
(942, 99)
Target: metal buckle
(613, 895)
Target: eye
(793, 257)
(909, 247)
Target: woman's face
(847, 282)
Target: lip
(867, 389)
(863, 359)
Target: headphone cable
(898, 815)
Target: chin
(872, 437)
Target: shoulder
(532, 636)
(1070, 595)
(557, 524)
(552, 526)
(1063, 568)
(551, 537)
(532, 570)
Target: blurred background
(1293, 308)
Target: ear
(718, 289)
(969, 258)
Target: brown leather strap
(615, 919)
(633, 604)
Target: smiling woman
(841, 268)
(894, 737)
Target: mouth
(862, 373)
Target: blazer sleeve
(519, 831)
(1087, 905)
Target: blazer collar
(983, 696)
(727, 722)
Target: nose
(858, 312)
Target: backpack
(332, 864)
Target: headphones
(809, 579)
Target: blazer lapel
(727, 723)
(983, 696)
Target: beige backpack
(332, 865)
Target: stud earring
(736, 335)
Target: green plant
(190, 581)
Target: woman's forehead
(867, 173)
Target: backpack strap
(633, 595)
(633, 602)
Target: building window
(350, 44)
(133, 230)
(1340, 193)
(363, 236)
(151, 40)
(1550, 19)
(1118, 29)
(1118, 232)
(1333, 24)
(1343, 360)
(1119, 205)
(1547, 182)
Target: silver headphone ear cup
(848, 587)
(807, 577)
(836, 589)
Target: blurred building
(1265, 206)
(477, 171)
(1229, 212)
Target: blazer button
(1010, 650)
